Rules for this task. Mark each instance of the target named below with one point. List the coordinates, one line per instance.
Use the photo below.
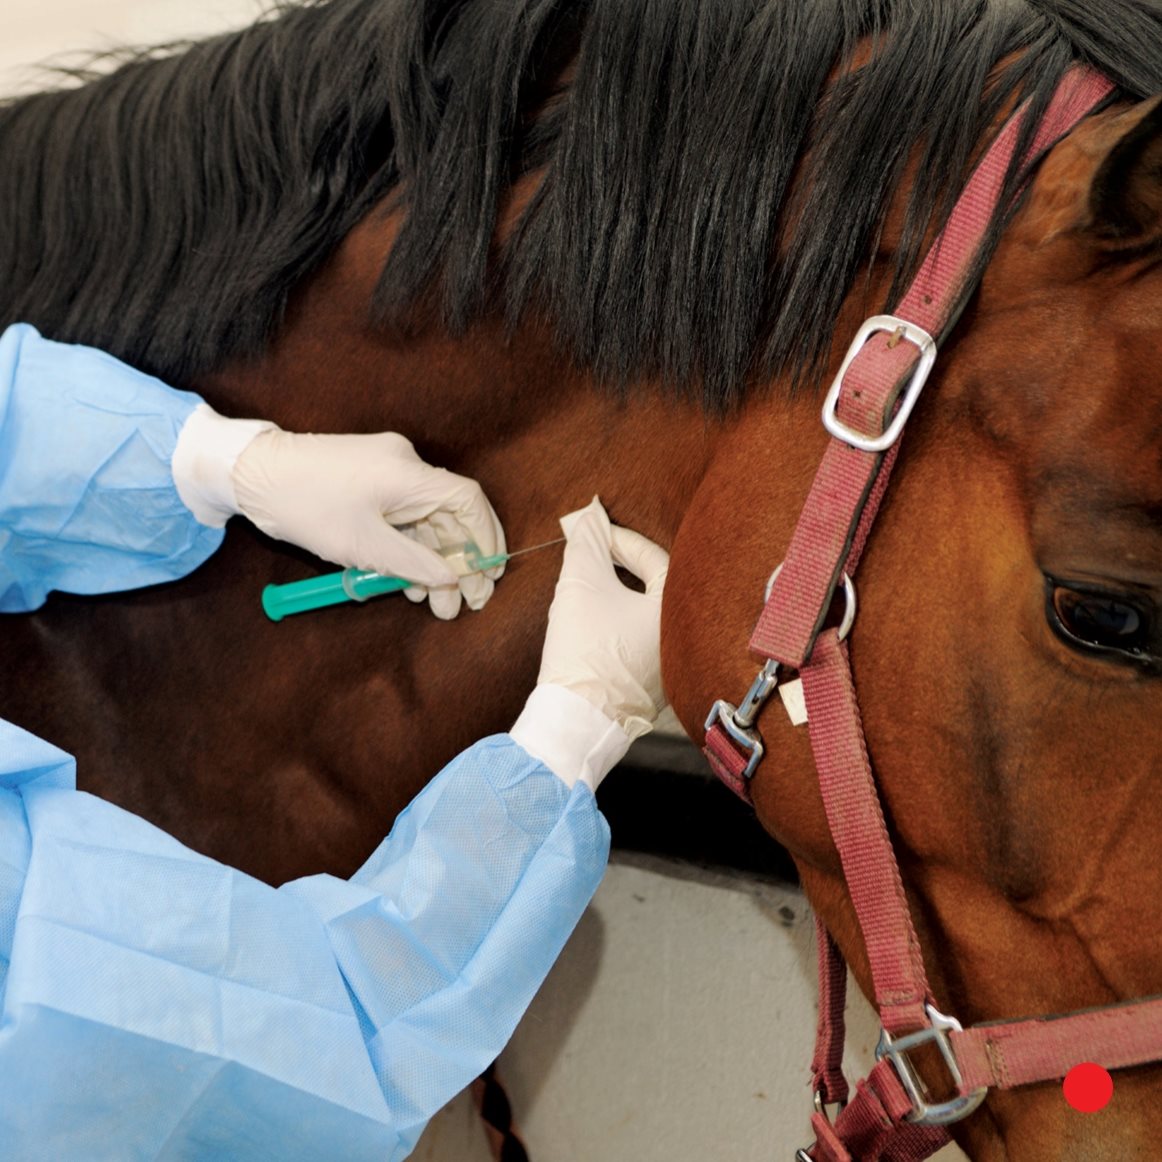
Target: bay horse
(580, 246)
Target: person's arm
(182, 1009)
(159, 1005)
(447, 932)
(111, 480)
(87, 499)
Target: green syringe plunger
(279, 601)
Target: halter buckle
(723, 713)
(903, 330)
(896, 1050)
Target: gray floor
(678, 1025)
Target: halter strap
(853, 477)
(890, 1117)
(1011, 1053)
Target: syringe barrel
(359, 584)
(279, 601)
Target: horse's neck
(509, 410)
(326, 725)
(289, 749)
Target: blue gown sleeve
(159, 1006)
(87, 498)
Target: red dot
(1088, 1087)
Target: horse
(589, 247)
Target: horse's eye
(1098, 621)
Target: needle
(535, 548)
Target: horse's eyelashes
(1093, 619)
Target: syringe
(279, 601)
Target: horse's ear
(1126, 195)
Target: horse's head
(1008, 646)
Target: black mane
(166, 212)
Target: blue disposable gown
(159, 1005)
(87, 500)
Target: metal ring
(821, 1105)
(848, 594)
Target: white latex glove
(600, 683)
(338, 497)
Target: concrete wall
(677, 1026)
(35, 30)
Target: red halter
(892, 1116)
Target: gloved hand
(600, 682)
(338, 497)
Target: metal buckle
(738, 721)
(904, 330)
(896, 1049)
(723, 712)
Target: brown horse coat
(1015, 761)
